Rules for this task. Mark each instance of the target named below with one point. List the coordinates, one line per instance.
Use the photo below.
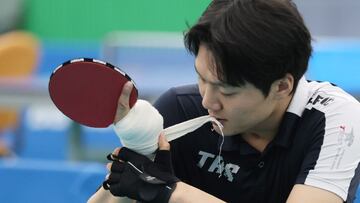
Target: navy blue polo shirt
(318, 144)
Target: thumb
(123, 102)
(163, 143)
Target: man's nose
(210, 100)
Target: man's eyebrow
(218, 83)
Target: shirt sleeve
(332, 161)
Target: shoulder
(324, 93)
(323, 105)
(179, 104)
(337, 106)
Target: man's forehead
(204, 59)
(206, 63)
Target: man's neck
(261, 137)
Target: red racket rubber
(87, 91)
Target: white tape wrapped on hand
(140, 128)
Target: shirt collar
(293, 113)
(300, 98)
(236, 143)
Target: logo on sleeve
(345, 140)
(320, 99)
(346, 136)
(217, 165)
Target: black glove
(137, 177)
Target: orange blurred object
(8, 118)
(19, 52)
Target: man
(286, 139)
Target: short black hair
(255, 41)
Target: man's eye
(228, 94)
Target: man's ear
(283, 87)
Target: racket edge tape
(95, 61)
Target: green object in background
(92, 19)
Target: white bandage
(140, 128)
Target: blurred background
(48, 158)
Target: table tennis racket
(87, 91)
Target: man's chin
(225, 131)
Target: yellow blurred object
(4, 151)
(18, 54)
(18, 59)
(8, 118)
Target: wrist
(177, 193)
(164, 194)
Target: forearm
(188, 193)
(104, 196)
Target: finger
(113, 182)
(110, 180)
(114, 155)
(118, 189)
(163, 155)
(106, 185)
(125, 94)
(117, 167)
(123, 102)
(116, 151)
(108, 166)
(114, 177)
(163, 158)
(163, 143)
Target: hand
(137, 177)
(123, 106)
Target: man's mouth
(222, 121)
